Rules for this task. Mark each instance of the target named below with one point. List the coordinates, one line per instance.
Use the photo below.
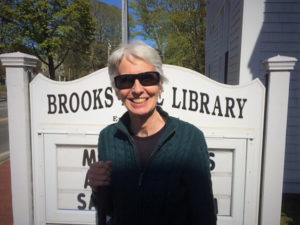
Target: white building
(241, 34)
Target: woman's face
(139, 100)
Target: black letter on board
(218, 107)
(109, 96)
(174, 99)
(184, 97)
(204, 103)
(212, 162)
(97, 93)
(193, 99)
(241, 106)
(89, 102)
(229, 107)
(51, 104)
(74, 106)
(79, 198)
(91, 204)
(62, 103)
(88, 159)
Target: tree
(106, 37)
(151, 21)
(51, 29)
(186, 45)
(108, 32)
(177, 28)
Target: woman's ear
(160, 91)
(118, 95)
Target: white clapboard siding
(281, 35)
(278, 34)
(234, 41)
(224, 26)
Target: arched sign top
(190, 72)
(90, 101)
(104, 72)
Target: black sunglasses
(146, 79)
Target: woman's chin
(141, 111)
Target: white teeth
(138, 100)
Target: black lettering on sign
(87, 158)
(74, 102)
(204, 103)
(86, 182)
(174, 105)
(80, 199)
(109, 97)
(51, 104)
(184, 97)
(97, 99)
(88, 100)
(83, 202)
(193, 101)
(91, 204)
(211, 161)
(217, 105)
(160, 101)
(62, 98)
(241, 106)
(229, 107)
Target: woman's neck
(146, 125)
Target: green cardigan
(175, 188)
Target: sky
(118, 3)
(113, 2)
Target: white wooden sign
(66, 119)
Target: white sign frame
(53, 214)
(182, 82)
(239, 150)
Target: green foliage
(48, 28)
(107, 36)
(2, 90)
(151, 16)
(290, 211)
(108, 33)
(285, 220)
(177, 27)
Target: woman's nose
(137, 87)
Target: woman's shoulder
(185, 126)
(107, 130)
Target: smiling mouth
(139, 100)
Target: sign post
(18, 71)
(278, 78)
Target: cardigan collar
(124, 123)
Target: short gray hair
(136, 49)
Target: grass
(290, 212)
(2, 90)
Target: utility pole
(108, 48)
(124, 22)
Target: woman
(153, 168)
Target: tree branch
(61, 60)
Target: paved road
(3, 109)
(4, 147)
